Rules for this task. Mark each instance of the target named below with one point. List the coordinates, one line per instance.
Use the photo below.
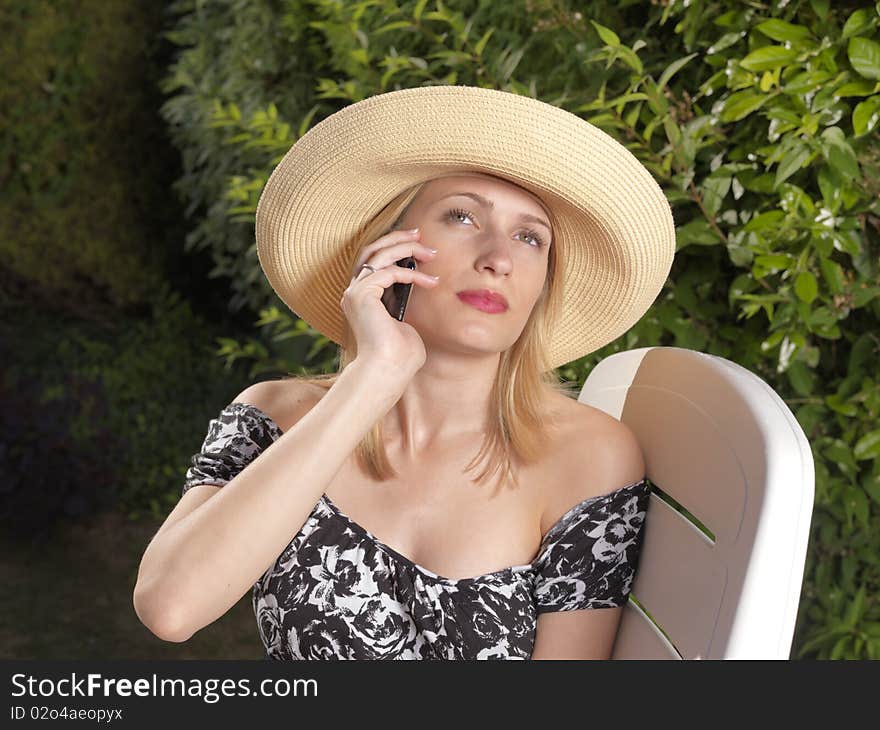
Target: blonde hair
(517, 426)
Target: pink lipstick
(485, 300)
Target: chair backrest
(720, 578)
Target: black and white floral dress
(337, 592)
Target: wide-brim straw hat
(611, 218)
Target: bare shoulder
(285, 400)
(597, 454)
(603, 449)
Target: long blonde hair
(523, 381)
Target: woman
(346, 502)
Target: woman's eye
(538, 242)
(456, 213)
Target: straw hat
(612, 219)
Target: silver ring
(367, 266)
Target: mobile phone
(397, 295)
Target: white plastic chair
(723, 445)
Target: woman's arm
(198, 566)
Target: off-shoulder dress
(337, 592)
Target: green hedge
(104, 416)
(81, 219)
(761, 127)
(107, 378)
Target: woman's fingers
(386, 276)
(390, 248)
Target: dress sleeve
(588, 559)
(236, 436)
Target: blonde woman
(443, 496)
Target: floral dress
(337, 592)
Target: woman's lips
(482, 302)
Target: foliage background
(107, 331)
(759, 119)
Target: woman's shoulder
(284, 400)
(583, 422)
(596, 454)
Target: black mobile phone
(397, 295)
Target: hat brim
(613, 221)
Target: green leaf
(868, 446)
(857, 23)
(861, 87)
(815, 643)
(801, 377)
(840, 453)
(608, 36)
(306, 121)
(791, 163)
(768, 58)
(631, 59)
(866, 115)
(806, 287)
(780, 30)
(740, 104)
(840, 648)
(739, 255)
(773, 340)
(715, 187)
(839, 153)
(397, 24)
(855, 609)
(864, 55)
(481, 44)
(439, 15)
(833, 275)
(417, 10)
(359, 55)
(862, 355)
(617, 102)
(725, 41)
(453, 57)
(774, 261)
(871, 486)
(850, 242)
(857, 504)
(237, 138)
(788, 116)
(696, 232)
(829, 184)
(839, 405)
(511, 62)
(863, 295)
(825, 330)
(672, 68)
(820, 7)
(823, 322)
(657, 102)
(763, 221)
(807, 82)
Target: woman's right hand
(380, 337)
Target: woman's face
(490, 234)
